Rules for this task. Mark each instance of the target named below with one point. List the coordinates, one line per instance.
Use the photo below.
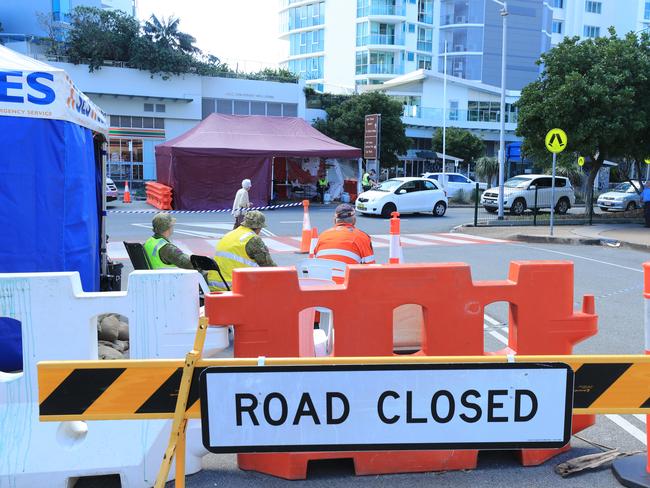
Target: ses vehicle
(624, 196)
(111, 190)
(404, 195)
(455, 182)
(519, 194)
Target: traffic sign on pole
(556, 141)
(581, 160)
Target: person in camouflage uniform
(159, 249)
(240, 248)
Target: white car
(624, 196)
(404, 195)
(455, 182)
(519, 194)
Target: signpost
(372, 140)
(581, 160)
(556, 141)
(386, 406)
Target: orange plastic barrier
(159, 195)
(542, 321)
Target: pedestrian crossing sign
(556, 140)
(581, 161)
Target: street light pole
(444, 120)
(502, 132)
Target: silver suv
(519, 194)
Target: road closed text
(376, 407)
(275, 410)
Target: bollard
(634, 471)
(395, 255)
(306, 229)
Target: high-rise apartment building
(592, 18)
(337, 45)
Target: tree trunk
(591, 177)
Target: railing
(425, 18)
(385, 69)
(399, 10)
(456, 115)
(383, 39)
(425, 46)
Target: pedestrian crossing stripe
(147, 389)
(283, 244)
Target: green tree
(597, 91)
(165, 33)
(98, 35)
(460, 143)
(488, 168)
(345, 123)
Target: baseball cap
(344, 211)
(254, 220)
(162, 221)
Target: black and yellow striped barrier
(148, 389)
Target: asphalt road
(613, 275)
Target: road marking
(475, 238)
(642, 418)
(275, 245)
(430, 237)
(628, 427)
(492, 320)
(291, 221)
(267, 232)
(581, 257)
(498, 337)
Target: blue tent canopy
(50, 181)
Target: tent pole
(360, 169)
(272, 168)
(103, 244)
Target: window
(126, 121)
(273, 108)
(430, 185)
(258, 108)
(424, 61)
(306, 42)
(410, 56)
(646, 12)
(148, 107)
(593, 6)
(160, 107)
(557, 27)
(412, 28)
(242, 107)
(453, 110)
(289, 110)
(591, 31)
(558, 3)
(362, 63)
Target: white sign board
(386, 407)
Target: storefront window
(125, 159)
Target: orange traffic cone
(306, 229)
(127, 194)
(395, 255)
(314, 241)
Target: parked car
(111, 190)
(519, 194)
(455, 182)
(624, 196)
(405, 195)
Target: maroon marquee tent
(205, 166)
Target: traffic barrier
(395, 253)
(313, 241)
(126, 198)
(453, 325)
(634, 471)
(306, 229)
(159, 195)
(59, 322)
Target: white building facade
(145, 111)
(592, 18)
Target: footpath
(634, 236)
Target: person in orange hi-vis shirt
(344, 242)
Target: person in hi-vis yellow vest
(240, 248)
(160, 251)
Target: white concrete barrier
(59, 322)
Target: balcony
(425, 46)
(434, 116)
(382, 10)
(385, 69)
(381, 39)
(425, 18)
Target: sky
(236, 31)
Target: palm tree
(165, 32)
(487, 167)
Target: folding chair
(137, 255)
(204, 263)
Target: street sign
(556, 140)
(581, 161)
(647, 161)
(371, 140)
(388, 406)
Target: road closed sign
(386, 407)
